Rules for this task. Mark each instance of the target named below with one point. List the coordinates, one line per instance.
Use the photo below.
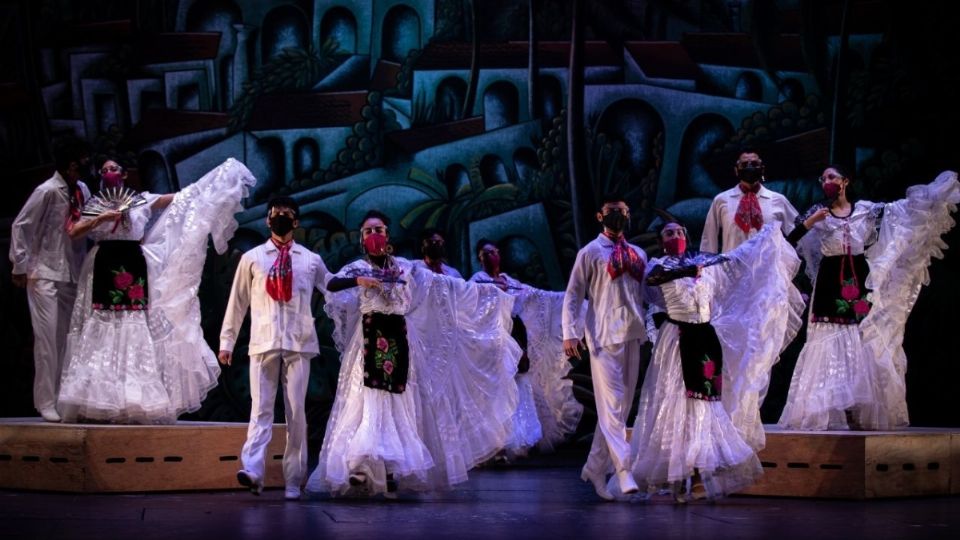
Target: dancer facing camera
(609, 273)
(276, 281)
(728, 318)
(433, 248)
(868, 262)
(426, 386)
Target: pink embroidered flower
(123, 280)
(382, 344)
(388, 367)
(135, 292)
(861, 307)
(709, 367)
(849, 292)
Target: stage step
(37, 455)
(860, 464)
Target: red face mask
(491, 263)
(375, 244)
(112, 179)
(831, 190)
(675, 246)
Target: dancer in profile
(728, 317)
(135, 352)
(46, 261)
(868, 262)
(547, 412)
(609, 273)
(426, 387)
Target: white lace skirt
(525, 430)
(673, 435)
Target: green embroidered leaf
(842, 306)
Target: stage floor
(543, 499)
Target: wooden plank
(802, 465)
(907, 465)
(111, 458)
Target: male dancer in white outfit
(47, 262)
(609, 273)
(276, 280)
(740, 212)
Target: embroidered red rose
(861, 307)
(382, 344)
(709, 367)
(135, 292)
(849, 292)
(388, 367)
(122, 280)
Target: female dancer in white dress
(426, 386)
(728, 318)
(868, 262)
(547, 412)
(135, 351)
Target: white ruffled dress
(459, 398)
(756, 311)
(862, 367)
(149, 366)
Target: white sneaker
(599, 485)
(49, 414)
(250, 480)
(627, 485)
(291, 493)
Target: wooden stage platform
(860, 464)
(37, 455)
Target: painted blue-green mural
(456, 114)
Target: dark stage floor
(543, 499)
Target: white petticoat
(525, 430)
(673, 434)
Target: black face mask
(616, 221)
(280, 225)
(434, 251)
(750, 175)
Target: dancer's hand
(109, 215)
(816, 217)
(571, 347)
(19, 280)
(225, 357)
(369, 282)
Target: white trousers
(51, 304)
(266, 371)
(615, 370)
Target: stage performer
(433, 249)
(547, 412)
(609, 273)
(135, 352)
(728, 318)
(276, 280)
(46, 260)
(868, 262)
(740, 212)
(426, 386)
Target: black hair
(103, 158)
(611, 197)
(282, 201)
(748, 150)
(483, 242)
(427, 233)
(842, 170)
(69, 149)
(374, 214)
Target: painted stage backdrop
(484, 118)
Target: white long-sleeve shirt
(720, 219)
(39, 244)
(274, 325)
(615, 306)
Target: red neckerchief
(76, 205)
(748, 211)
(280, 276)
(624, 259)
